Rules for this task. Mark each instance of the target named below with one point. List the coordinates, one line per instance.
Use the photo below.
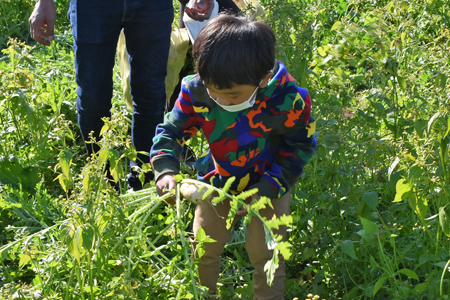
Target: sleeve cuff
(164, 166)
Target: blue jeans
(96, 25)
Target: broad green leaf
(441, 264)
(74, 244)
(336, 25)
(309, 252)
(65, 159)
(419, 204)
(444, 220)
(86, 183)
(321, 51)
(421, 287)
(371, 199)
(114, 157)
(103, 222)
(369, 226)
(373, 262)
(402, 83)
(12, 172)
(201, 235)
(103, 156)
(64, 182)
(24, 259)
(117, 172)
(379, 284)
(409, 273)
(88, 238)
(348, 248)
(369, 238)
(339, 71)
(415, 173)
(363, 210)
(104, 129)
(403, 36)
(403, 188)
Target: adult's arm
(42, 22)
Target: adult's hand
(201, 11)
(165, 184)
(42, 22)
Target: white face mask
(241, 106)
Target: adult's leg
(259, 253)
(95, 28)
(147, 27)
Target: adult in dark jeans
(96, 26)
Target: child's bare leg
(259, 253)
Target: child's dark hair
(234, 50)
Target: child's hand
(244, 212)
(165, 184)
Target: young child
(259, 129)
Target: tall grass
(371, 213)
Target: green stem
(442, 277)
(183, 242)
(91, 279)
(80, 281)
(69, 284)
(139, 230)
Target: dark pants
(96, 25)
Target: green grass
(371, 216)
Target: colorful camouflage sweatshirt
(264, 147)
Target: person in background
(260, 131)
(96, 26)
(228, 6)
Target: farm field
(370, 214)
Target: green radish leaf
(285, 249)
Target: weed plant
(370, 214)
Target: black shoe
(134, 183)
